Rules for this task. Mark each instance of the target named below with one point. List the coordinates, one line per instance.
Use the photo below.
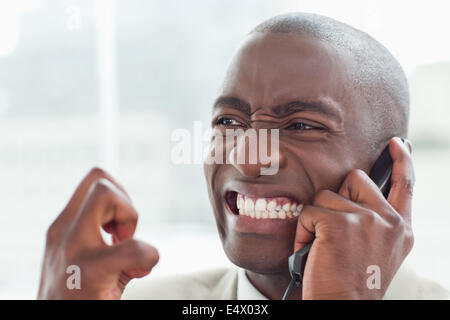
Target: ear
(408, 143)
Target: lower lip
(246, 224)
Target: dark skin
(353, 225)
(322, 163)
(74, 238)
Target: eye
(225, 121)
(303, 126)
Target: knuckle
(397, 221)
(97, 172)
(404, 183)
(101, 188)
(351, 219)
(144, 253)
(370, 217)
(354, 176)
(152, 256)
(342, 230)
(321, 197)
(52, 233)
(409, 239)
(347, 221)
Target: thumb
(402, 180)
(134, 257)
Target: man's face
(302, 87)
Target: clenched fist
(75, 238)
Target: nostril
(231, 199)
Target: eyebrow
(286, 109)
(234, 103)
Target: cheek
(218, 150)
(213, 159)
(327, 175)
(325, 167)
(215, 175)
(210, 172)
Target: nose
(257, 153)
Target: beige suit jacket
(221, 284)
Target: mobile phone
(380, 173)
(382, 170)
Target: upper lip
(258, 190)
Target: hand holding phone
(365, 204)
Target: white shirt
(423, 289)
(245, 289)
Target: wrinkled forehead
(273, 68)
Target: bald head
(376, 76)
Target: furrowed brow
(327, 109)
(311, 106)
(233, 102)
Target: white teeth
(264, 209)
(298, 210)
(260, 205)
(240, 201)
(249, 205)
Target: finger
(135, 258)
(402, 180)
(80, 193)
(105, 206)
(330, 200)
(358, 187)
(308, 225)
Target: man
(338, 98)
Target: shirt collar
(245, 289)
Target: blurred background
(85, 83)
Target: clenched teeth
(268, 208)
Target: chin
(264, 256)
